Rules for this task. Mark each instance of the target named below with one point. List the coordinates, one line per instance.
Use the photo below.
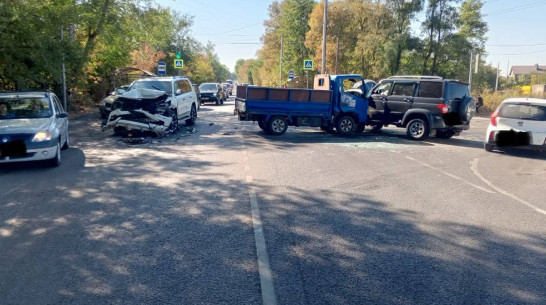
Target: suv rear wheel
(418, 129)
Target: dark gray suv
(424, 105)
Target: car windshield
(25, 108)
(523, 112)
(154, 85)
(204, 87)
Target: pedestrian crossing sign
(308, 64)
(178, 63)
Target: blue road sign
(161, 68)
(308, 64)
(291, 74)
(178, 63)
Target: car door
(179, 97)
(378, 100)
(60, 123)
(188, 95)
(401, 99)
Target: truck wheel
(262, 125)
(444, 134)
(360, 128)
(376, 128)
(418, 129)
(277, 125)
(488, 147)
(346, 125)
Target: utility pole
(64, 73)
(497, 81)
(470, 73)
(280, 63)
(337, 52)
(324, 23)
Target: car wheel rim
(417, 129)
(277, 126)
(346, 125)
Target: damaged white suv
(157, 104)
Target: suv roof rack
(416, 77)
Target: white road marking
(474, 167)
(452, 176)
(264, 269)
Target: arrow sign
(291, 74)
(178, 63)
(308, 64)
(161, 68)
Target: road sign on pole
(161, 68)
(178, 63)
(308, 64)
(290, 74)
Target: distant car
(228, 88)
(33, 127)
(105, 106)
(212, 92)
(517, 122)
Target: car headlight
(42, 136)
(214, 94)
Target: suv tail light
(494, 117)
(443, 108)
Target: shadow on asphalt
(153, 229)
(158, 226)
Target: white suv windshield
(25, 108)
(154, 85)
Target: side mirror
(178, 92)
(379, 91)
(62, 115)
(121, 91)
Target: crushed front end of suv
(142, 109)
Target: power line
(231, 31)
(516, 8)
(516, 45)
(515, 54)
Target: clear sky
(515, 35)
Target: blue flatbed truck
(333, 103)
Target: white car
(157, 104)
(33, 127)
(518, 122)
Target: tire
(345, 125)
(376, 128)
(444, 134)
(262, 125)
(276, 125)
(56, 161)
(467, 109)
(66, 143)
(120, 131)
(174, 124)
(488, 147)
(360, 128)
(193, 116)
(418, 129)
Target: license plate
(13, 149)
(513, 138)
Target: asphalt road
(373, 219)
